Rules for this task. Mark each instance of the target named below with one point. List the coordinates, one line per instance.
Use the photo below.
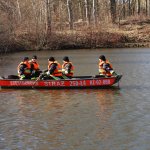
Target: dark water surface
(84, 119)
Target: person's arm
(21, 69)
(32, 68)
(52, 68)
(68, 67)
(107, 67)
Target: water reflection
(85, 119)
(106, 100)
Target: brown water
(87, 119)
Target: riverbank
(128, 33)
(137, 32)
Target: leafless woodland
(61, 24)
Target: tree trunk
(133, 7)
(139, 7)
(129, 7)
(113, 10)
(70, 14)
(124, 9)
(19, 11)
(87, 12)
(146, 5)
(48, 12)
(94, 13)
(149, 8)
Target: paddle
(43, 72)
(37, 80)
(65, 77)
(55, 78)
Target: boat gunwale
(62, 87)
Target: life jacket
(102, 70)
(35, 65)
(70, 74)
(27, 69)
(57, 71)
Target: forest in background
(70, 24)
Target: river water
(79, 119)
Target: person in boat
(35, 67)
(54, 69)
(67, 67)
(24, 69)
(105, 67)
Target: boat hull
(91, 82)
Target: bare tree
(48, 13)
(19, 11)
(129, 8)
(87, 11)
(146, 5)
(113, 10)
(139, 7)
(124, 9)
(94, 13)
(70, 13)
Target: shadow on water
(7, 89)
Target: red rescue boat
(75, 82)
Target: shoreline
(119, 45)
(75, 47)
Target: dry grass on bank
(137, 31)
(84, 39)
(133, 32)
